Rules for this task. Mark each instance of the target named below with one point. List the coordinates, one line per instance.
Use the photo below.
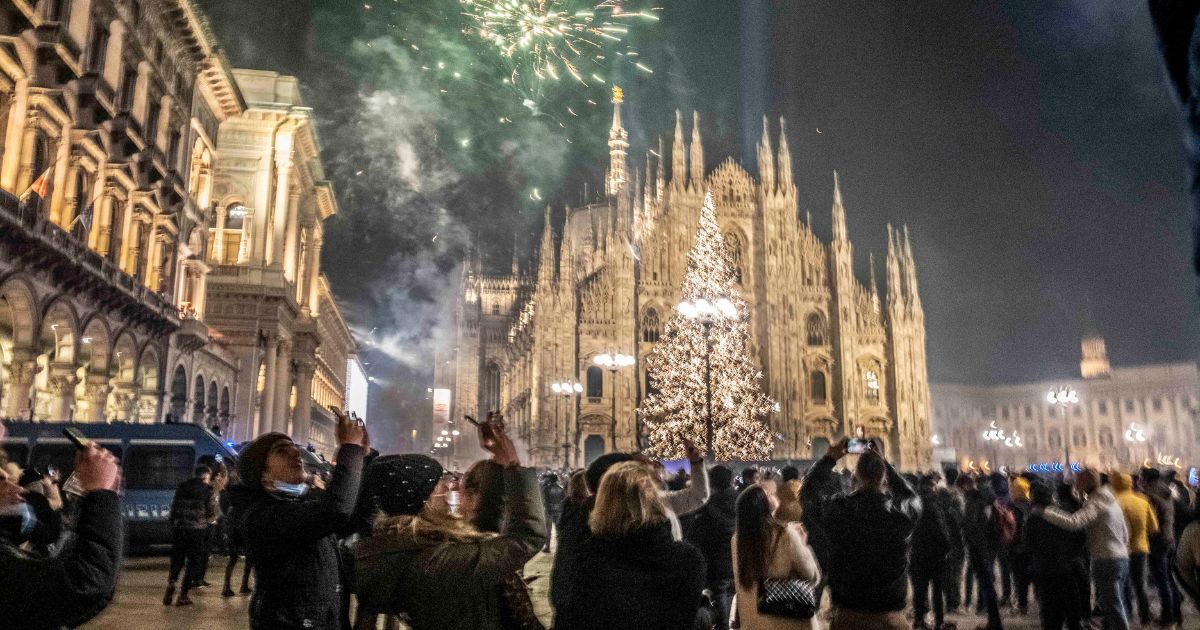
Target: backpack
(1004, 523)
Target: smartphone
(858, 446)
(80, 442)
(473, 421)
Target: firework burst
(552, 40)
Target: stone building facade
(1119, 417)
(836, 355)
(122, 292)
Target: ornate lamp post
(613, 361)
(1064, 397)
(567, 388)
(708, 312)
(1135, 436)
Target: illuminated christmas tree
(677, 365)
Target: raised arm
(691, 498)
(1082, 517)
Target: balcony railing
(78, 269)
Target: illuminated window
(871, 380)
(651, 327)
(495, 308)
(815, 327)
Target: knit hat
(252, 461)
(400, 484)
(597, 468)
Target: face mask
(25, 513)
(294, 490)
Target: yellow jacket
(1139, 514)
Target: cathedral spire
(564, 255)
(697, 158)
(784, 168)
(660, 178)
(546, 251)
(678, 155)
(839, 211)
(516, 263)
(618, 144)
(874, 285)
(910, 273)
(766, 161)
(893, 269)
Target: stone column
(246, 243)
(218, 250)
(14, 137)
(283, 388)
(60, 386)
(291, 239)
(302, 417)
(102, 223)
(25, 174)
(314, 275)
(62, 169)
(20, 384)
(283, 169)
(96, 392)
(267, 403)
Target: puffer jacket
(1139, 516)
(870, 533)
(194, 506)
(70, 589)
(293, 544)
(443, 581)
(789, 502)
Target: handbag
(793, 598)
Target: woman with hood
(291, 536)
(434, 567)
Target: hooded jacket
(870, 533)
(293, 544)
(446, 580)
(1139, 515)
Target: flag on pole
(31, 200)
(84, 219)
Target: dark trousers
(927, 584)
(1135, 587)
(952, 580)
(1004, 559)
(1060, 601)
(187, 545)
(209, 534)
(722, 596)
(982, 569)
(1169, 595)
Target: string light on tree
(710, 329)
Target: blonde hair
(627, 500)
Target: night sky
(1031, 148)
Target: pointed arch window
(871, 383)
(495, 308)
(651, 326)
(735, 246)
(491, 388)
(819, 388)
(815, 329)
(595, 382)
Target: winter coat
(979, 533)
(953, 507)
(791, 558)
(194, 506)
(73, 587)
(553, 495)
(293, 544)
(710, 530)
(1139, 516)
(1054, 552)
(1159, 496)
(931, 543)
(789, 502)
(870, 533)
(450, 580)
(645, 579)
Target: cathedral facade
(839, 358)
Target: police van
(154, 459)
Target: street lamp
(1064, 397)
(567, 388)
(613, 361)
(1135, 436)
(708, 312)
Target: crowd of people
(850, 544)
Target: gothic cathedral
(839, 359)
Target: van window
(17, 452)
(158, 467)
(62, 457)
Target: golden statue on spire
(618, 94)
